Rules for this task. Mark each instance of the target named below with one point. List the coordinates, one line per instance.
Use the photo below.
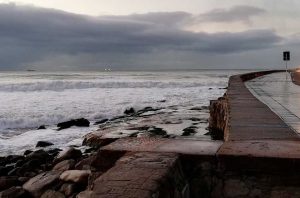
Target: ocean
(32, 99)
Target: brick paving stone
(138, 175)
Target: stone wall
(218, 121)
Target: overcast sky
(139, 34)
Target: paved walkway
(281, 95)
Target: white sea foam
(29, 100)
(63, 85)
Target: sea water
(31, 99)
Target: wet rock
(27, 152)
(84, 164)
(64, 165)
(10, 167)
(129, 111)
(40, 183)
(14, 192)
(43, 144)
(40, 155)
(41, 127)
(90, 150)
(85, 194)
(22, 180)
(81, 122)
(94, 141)
(30, 174)
(20, 163)
(54, 152)
(4, 170)
(157, 131)
(32, 164)
(76, 176)
(101, 121)
(14, 172)
(92, 179)
(235, 188)
(134, 134)
(7, 182)
(68, 153)
(104, 160)
(52, 194)
(13, 159)
(189, 131)
(69, 188)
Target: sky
(53, 35)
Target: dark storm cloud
(30, 34)
(237, 13)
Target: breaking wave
(63, 85)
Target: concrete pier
(259, 156)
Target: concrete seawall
(260, 154)
(255, 154)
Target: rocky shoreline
(53, 172)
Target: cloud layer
(234, 14)
(31, 35)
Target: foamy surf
(29, 100)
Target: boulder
(81, 122)
(30, 174)
(41, 127)
(129, 111)
(15, 172)
(52, 194)
(4, 170)
(31, 165)
(54, 152)
(37, 185)
(105, 159)
(14, 192)
(43, 144)
(76, 176)
(27, 152)
(2, 161)
(95, 141)
(13, 159)
(68, 189)
(68, 153)
(189, 131)
(22, 180)
(7, 182)
(40, 155)
(85, 164)
(157, 131)
(64, 165)
(85, 194)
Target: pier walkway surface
(259, 157)
(281, 95)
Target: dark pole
(286, 73)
